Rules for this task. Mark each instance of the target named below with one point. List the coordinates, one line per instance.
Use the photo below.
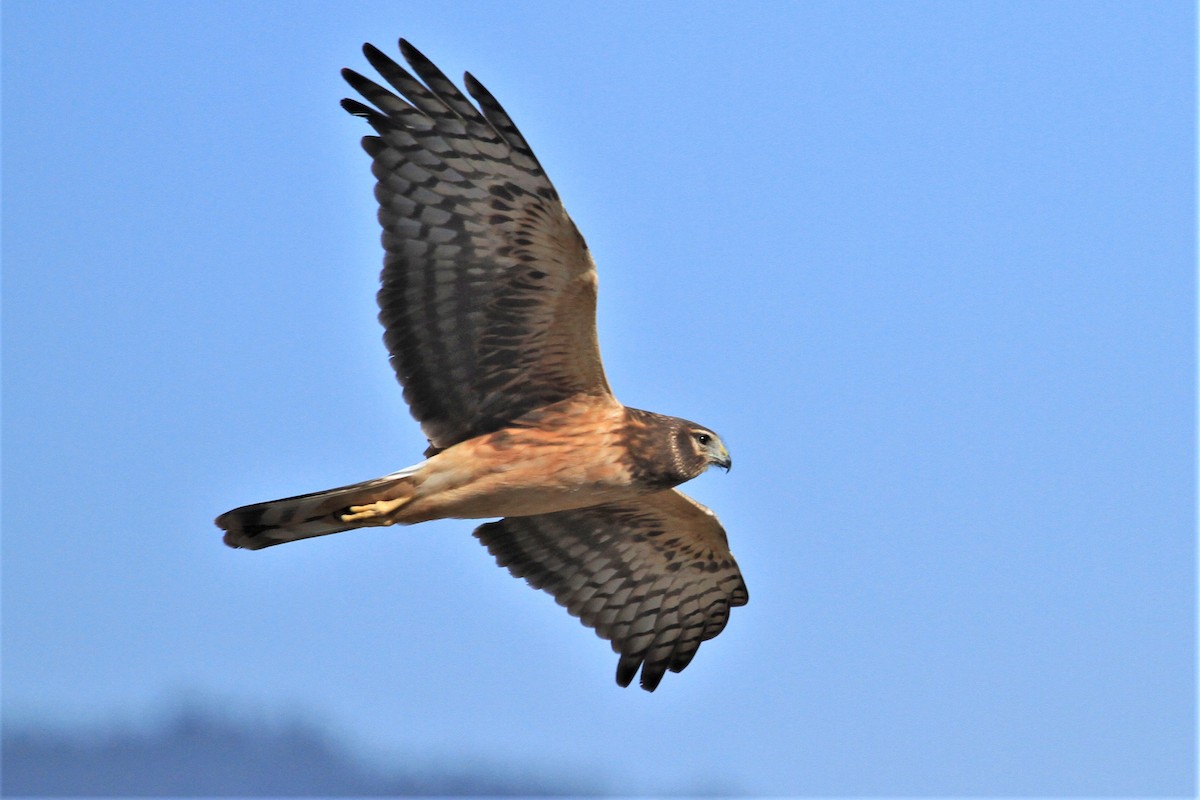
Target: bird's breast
(525, 471)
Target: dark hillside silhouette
(199, 753)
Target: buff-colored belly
(477, 479)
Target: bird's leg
(377, 513)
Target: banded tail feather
(304, 516)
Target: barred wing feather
(488, 295)
(654, 576)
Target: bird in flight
(488, 303)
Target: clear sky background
(927, 267)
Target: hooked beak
(723, 460)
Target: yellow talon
(378, 510)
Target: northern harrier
(489, 308)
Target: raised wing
(653, 576)
(489, 292)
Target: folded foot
(377, 513)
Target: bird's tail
(371, 502)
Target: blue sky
(929, 268)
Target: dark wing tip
(681, 660)
(627, 667)
(384, 64)
(740, 595)
(411, 54)
(357, 108)
(360, 83)
(363, 85)
(652, 676)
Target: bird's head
(707, 447)
(667, 451)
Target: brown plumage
(488, 305)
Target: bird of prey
(488, 303)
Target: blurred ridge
(204, 752)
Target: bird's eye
(703, 438)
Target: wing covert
(654, 576)
(488, 291)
